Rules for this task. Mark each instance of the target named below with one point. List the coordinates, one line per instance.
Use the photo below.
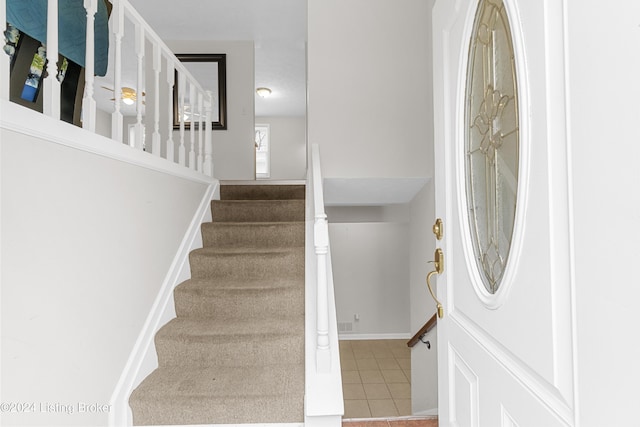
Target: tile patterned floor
(376, 379)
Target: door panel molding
(547, 392)
(462, 373)
(507, 419)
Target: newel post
(321, 242)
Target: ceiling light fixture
(128, 96)
(263, 92)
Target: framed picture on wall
(210, 70)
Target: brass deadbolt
(438, 229)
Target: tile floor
(376, 378)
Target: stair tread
(252, 224)
(246, 250)
(216, 285)
(221, 395)
(232, 328)
(221, 381)
(258, 210)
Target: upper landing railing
(157, 117)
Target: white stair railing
(162, 61)
(51, 105)
(323, 381)
(5, 64)
(88, 101)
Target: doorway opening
(263, 158)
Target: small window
(263, 160)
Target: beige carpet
(235, 351)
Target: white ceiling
(277, 27)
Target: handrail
(200, 101)
(431, 323)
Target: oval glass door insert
(491, 141)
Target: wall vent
(345, 326)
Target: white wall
(369, 85)
(103, 123)
(424, 364)
(86, 243)
(371, 275)
(288, 146)
(233, 149)
(603, 158)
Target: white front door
(505, 343)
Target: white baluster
(117, 20)
(88, 102)
(51, 88)
(170, 83)
(208, 146)
(321, 242)
(182, 82)
(139, 128)
(157, 65)
(201, 125)
(5, 65)
(192, 130)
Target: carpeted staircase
(235, 351)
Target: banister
(149, 118)
(4, 59)
(51, 85)
(431, 323)
(324, 405)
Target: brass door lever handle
(439, 269)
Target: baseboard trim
(354, 337)
(428, 413)
(143, 359)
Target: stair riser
(262, 192)
(257, 211)
(238, 235)
(237, 351)
(247, 266)
(234, 304)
